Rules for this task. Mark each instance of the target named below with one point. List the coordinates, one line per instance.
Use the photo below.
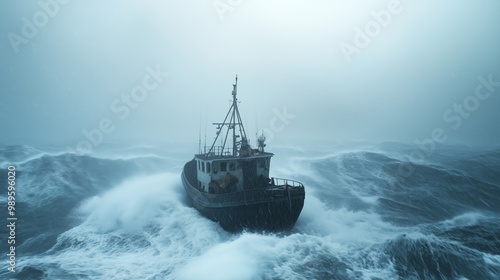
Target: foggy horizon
(309, 71)
(381, 159)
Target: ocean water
(370, 213)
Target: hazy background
(286, 53)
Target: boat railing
(285, 182)
(218, 151)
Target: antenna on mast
(235, 87)
(233, 118)
(205, 144)
(199, 138)
(232, 122)
(256, 127)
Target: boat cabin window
(199, 167)
(232, 166)
(203, 166)
(215, 167)
(223, 166)
(208, 167)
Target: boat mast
(235, 108)
(234, 120)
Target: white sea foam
(142, 228)
(134, 203)
(466, 219)
(138, 229)
(242, 258)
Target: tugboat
(230, 184)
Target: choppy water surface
(123, 215)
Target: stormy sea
(371, 212)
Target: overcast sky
(309, 70)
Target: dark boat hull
(273, 208)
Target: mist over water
(103, 102)
(149, 72)
(125, 216)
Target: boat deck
(274, 207)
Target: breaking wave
(124, 215)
